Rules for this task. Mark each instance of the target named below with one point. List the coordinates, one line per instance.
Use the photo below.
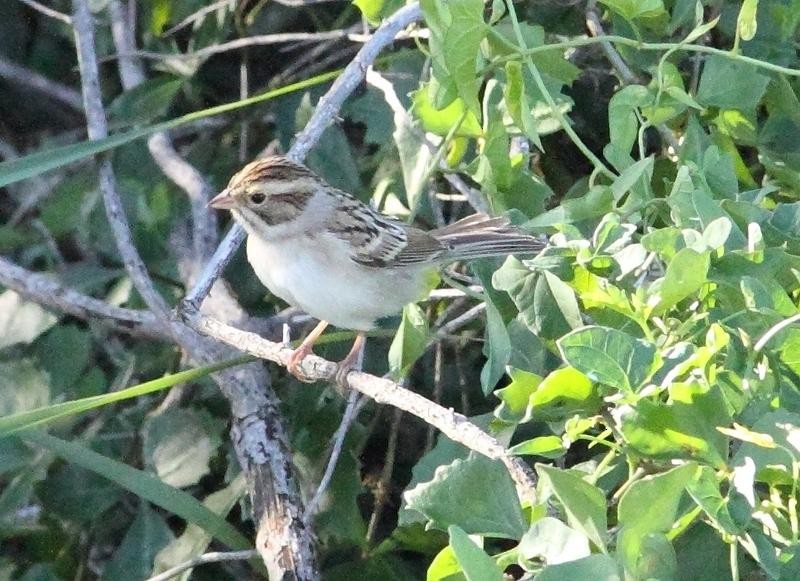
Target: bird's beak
(222, 201)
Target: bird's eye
(257, 198)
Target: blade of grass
(15, 170)
(39, 416)
(144, 485)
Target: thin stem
(354, 403)
(555, 111)
(203, 560)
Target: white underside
(317, 275)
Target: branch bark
(44, 290)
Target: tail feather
(481, 236)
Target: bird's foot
(296, 359)
(350, 363)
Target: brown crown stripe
(278, 169)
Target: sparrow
(322, 250)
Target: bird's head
(268, 192)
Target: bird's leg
(297, 356)
(350, 362)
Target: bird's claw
(295, 360)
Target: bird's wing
(378, 241)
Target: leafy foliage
(646, 363)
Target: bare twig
(324, 114)
(47, 11)
(454, 425)
(354, 403)
(20, 75)
(199, 15)
(596, 29)
(97, 128)
(381, 493)
(258, 40)
(299, 3)
(204, 560)
(438, 387)
(44, 290)
(465, 319)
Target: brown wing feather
(379, 241)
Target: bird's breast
(316, 274)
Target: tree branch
(20, 75)
(42, 289)
(454, 425)
(97, 128)
(258, 40)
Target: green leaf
(195, 540)
(476, 565)
(705, 490)
(515, 397)
(374, 10)
(144, 485)
(773, 465)
(548, 305)
(683, 428)
(64, 353)
(145, 102)
(623, 123)
(633, 179)
(649, 506)
(445, 567)
(596, 203)
(548, 446)
(477, 494)
(746, 23)
(632, 9)
(21, 321)
(686, 273)
(22, 417)
(554, 542)
(609, 356)
(730, 84)
(441, 121)
(409, 342)
(516, 102)
(583, 503)
(76, 494)
(497, 349)
(23, 387)
(457, 30)
(697, 210)
(178, 445)
(563, 393)
(591, 568)
(134, 557)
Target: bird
(322, 250)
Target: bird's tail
(482, 236)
